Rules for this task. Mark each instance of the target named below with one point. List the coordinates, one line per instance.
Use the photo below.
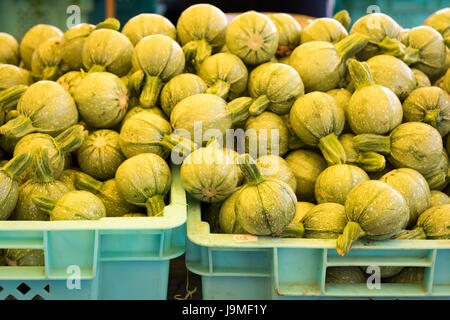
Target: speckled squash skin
(178, 88)
(438, 178)
(46, 60)
(227, 216)
(422, 79)
(306, 165)
(142, 178)
(324, 221)
(131, 112)
(437, 198)
(413, 187)
(70, 80)
(264, 206)
(102, 99)
(110, 50)
(324, 29)
(275, 167)
(100, 155)
(68, 178)
(393, 74)
(33, 38)
(147, 24)
(211, 174)
(73, 42)
(279, 83)
(430, 105)
(224, 69)
(302, 210)
(9, 54)
(435, 222)
(12, 75)
(345, 275)
(335, 182)
(289, 33)
(257, 46)
(260, 139)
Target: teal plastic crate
(408, 13)
(118, 258)
(243, 267)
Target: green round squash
(264, 206)
(324, 221)
(307, 166)
(40, 100)
(74, 205)
(318, 121)
(9, 187)
(201, 31)
(342, 98)
(345, 275)
(253, 37)
(437, 198)
(143, 133)
(225, 75)
(210, 174)
(413, 187)
(335, 182)
(11, 76)
(409, 275)
(425, 50)
(321, 65)
(73, 42)
(57, 148)
(107, 192)
(46, 60)
(266, 134)
(157, 59)
(439, 177)
(393, 74)
(440, 21)
(324, 29)
(25, 257)
(178, 88)
(373, 108)
(107, 50)
(435, 222)
(386, 271)
(144, 180)
(446, 83)
(275, 167)
(33, 38)
(102, 99)
(227, 216)
(422, 79)
(302, 210)
(374, 210)
(430, 105)
(100, 155)
(275, 87)
(147, 24)
(9, 52)
(41, 184)
(131, 112)
(289, 33)
(71, 80)
(68, 178)
(382, 31)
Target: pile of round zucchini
(91, 120)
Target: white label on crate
(244, 238)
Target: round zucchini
(72, 45)
(275, 167)
(11, 76)
(25, 257)
(289, 33)
(435, 222)
(324, 29)
(437, 198)
(324, 221)
(345, 275)
(147, 24)
(70, 80)
(422, 79)
(9, 52)
(47, 59)
(227, 216)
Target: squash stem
(109, 23)
(135, 82)
(195, 53)
(293, 230)
(155, 206)
(70, 139)
(97, 68)
(344, 18)
(351, 45)
(219, 88)
(392, 47)
(44, 204)
(10, 97)
(250, 169)
(17, 165)
(369, 142)
(179, 144)
(259, 105)
(360, 74)
(87, 183)
(352, 232)
(411, 56)
(150, 91)
(371, 161)
(42, 171)
(17, 127)
(50, 73)
(239, 109)
(332, 150)
(432, 117)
